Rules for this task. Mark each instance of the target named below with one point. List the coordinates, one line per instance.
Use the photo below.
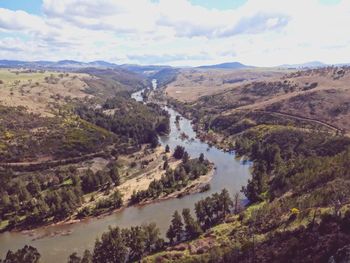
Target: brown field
(192, 84)
(39, 91)
(320, 94)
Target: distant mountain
(62, 64)
(343, 64)
(229, 65)
(101, 63)
(311, 64)
(145, 70)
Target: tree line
(188, 170)
(36, 201)
(132, 244)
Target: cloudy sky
(176, 32)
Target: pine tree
(111, 248)
(192, 227)
(226, 202)
(151, 236)
(170, 234)
(167, 148)
(179, 152)
(136, 243)
(185, 157)
(177, 225)
(201, 157)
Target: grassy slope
(304, 195)
(43, 138)
(320, 94)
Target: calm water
(230, 174)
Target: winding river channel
(56, 243)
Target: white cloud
(20, 20)
(260, 32)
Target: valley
(188, 131)
(287, 126)
(112, 157)
(100, 173)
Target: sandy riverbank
(141, 183)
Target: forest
(35, 192)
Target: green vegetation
(133, 122)
(299, 204)
(173, 180)
(113, 82)
(27, 254)
(34, 150)
(27, 136)
(165, 76)
(298, 195)
(179, 152)
(10, 76)
(123, 245)
(130, 245)
(30, 200)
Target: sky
(176, 32)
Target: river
(55, 247)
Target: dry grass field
(320, 94)
(38, 91)
(192, 84)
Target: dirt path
(302, 118)
(48, 164)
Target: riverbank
(77, 235)
(212, 138)
(196, 186)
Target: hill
(311, 64)
(316, 94)
(228, 65)
(292, 126)
(62, 64)
(61, 135)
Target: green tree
(151, 236)
(27, 254)
(153, 139)
(177, 225)
(34, 187)
(185, 157)
(117, 199)
(167, 148)
(225, 202)
(201, 158)
(114, 174)
(192, 227)
(136, 243)
(179, 152)
(170, 234)
(74, 258)
(200, 212)
(111, 248)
